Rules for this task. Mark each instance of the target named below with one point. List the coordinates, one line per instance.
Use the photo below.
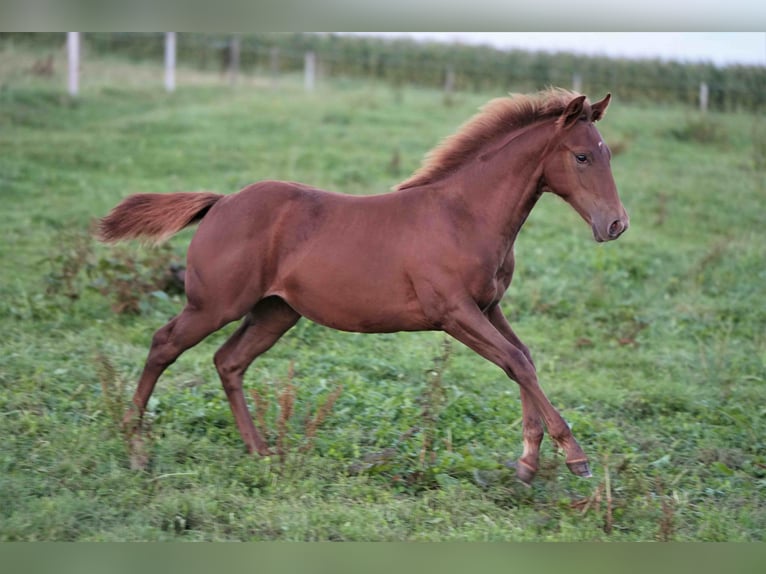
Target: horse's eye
(581, 158)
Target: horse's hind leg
(182, 332)
(262, 327)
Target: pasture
(653, 347)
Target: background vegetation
(406, 62)
(653, 347)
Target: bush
(701, 129)
(126, 277)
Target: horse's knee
(520, 368)
(525, 351)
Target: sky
(720, 48)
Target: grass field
(653, 347)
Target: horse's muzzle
(617, 228)
(613, 231)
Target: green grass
(653, 347)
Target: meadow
(653, 347)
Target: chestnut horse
(434, 254)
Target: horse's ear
(572, 113)
(598, 110)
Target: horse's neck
(503, 188)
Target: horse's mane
(498, 116)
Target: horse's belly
(361, 308)
(356, 319)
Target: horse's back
(327, 254)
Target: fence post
(449, 85)
(704, 92)
(73, 62)
(170, 61)
(577, 83)
(310, 71)
(274, 57)
(234, 51)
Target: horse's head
(577, 169)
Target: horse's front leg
(532, 424)
(471, 327)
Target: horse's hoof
(524, 472)
(580, 468)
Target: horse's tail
(154, 216)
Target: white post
(73, 60)
(449, 80)
(449, 85)
(234, 51)
(577, 83)
(170, 61)
(703, 96)
(274, 67)
(310, 68)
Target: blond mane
(497, 117)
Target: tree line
(468, 67)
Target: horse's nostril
(616, 228)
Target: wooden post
(73, 62)
(449, 85)
(274, 56)
(577, 83)
(234, 51)
(310, 71)
(704, 92)
(170, 61)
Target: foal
(435, 254)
